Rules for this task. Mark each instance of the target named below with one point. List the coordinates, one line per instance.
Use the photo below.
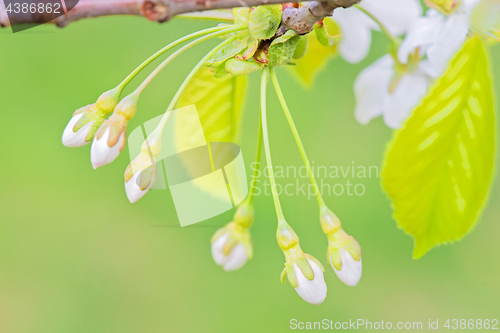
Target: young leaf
(264, 21)
(219, 103)
(283, 48)
(230, 50)
(439, 167)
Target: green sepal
(283, 48)
(301, 49)
(333, 256)
(264, 21)
(239, 67)
(230, 50)
(314, 260)
(91, 114)
(305, 267)
(283, 275)
(290, 273)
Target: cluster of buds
(304, 272)
(344, 252)
(232, 245)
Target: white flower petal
(314, 291)
(449, 39)
(422, 34)
(371, 88)
(356, 32)
(76, 139)
(134, 192)
(234, 260)
(396, 15)
(407, 95)
(101, 154)
(350, 273)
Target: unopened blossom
(231, 245)
(110, 139)
(304, 272)
(87, 120)
(391, 90)
(140, 176)
(312, 291)
(344, 252)
(440, 33)
(356, 27)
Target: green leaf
(264, 21)
(439, 166)
(219, 103)
(323, 33)
(230, 50)
(238, 67)
(283, 48)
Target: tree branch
(164, 10)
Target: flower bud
(344, 255)
(232, 247)
(140, 175)
(73, 135)
(305, 274)
(110, 139)
(108, 100)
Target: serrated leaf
(439, 166)
(283, 48)
(264, 21)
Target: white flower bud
(71, 138)
(350, 273)
(236, 258)
(140, 183)
(101, 153)
(314, 291)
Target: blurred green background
(76, 256)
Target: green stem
(202, 62)
(267, 149)
(288, 115)
(167, 61)
(255, 176)
(393, 39)
(132, 75)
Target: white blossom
(356, 27)
(314, 291)
(140, 183)
(350, 273)
(381, 91)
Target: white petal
(101, 154)
(217, 254)
(76, 139)
(350, 273)
(407, 95)
(234, 260)
(371, 88)
(449, 39)
(134, 192)
(396, 15)
(356, 32)
(422, 34)
(314, 291)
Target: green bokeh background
(76, 256)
